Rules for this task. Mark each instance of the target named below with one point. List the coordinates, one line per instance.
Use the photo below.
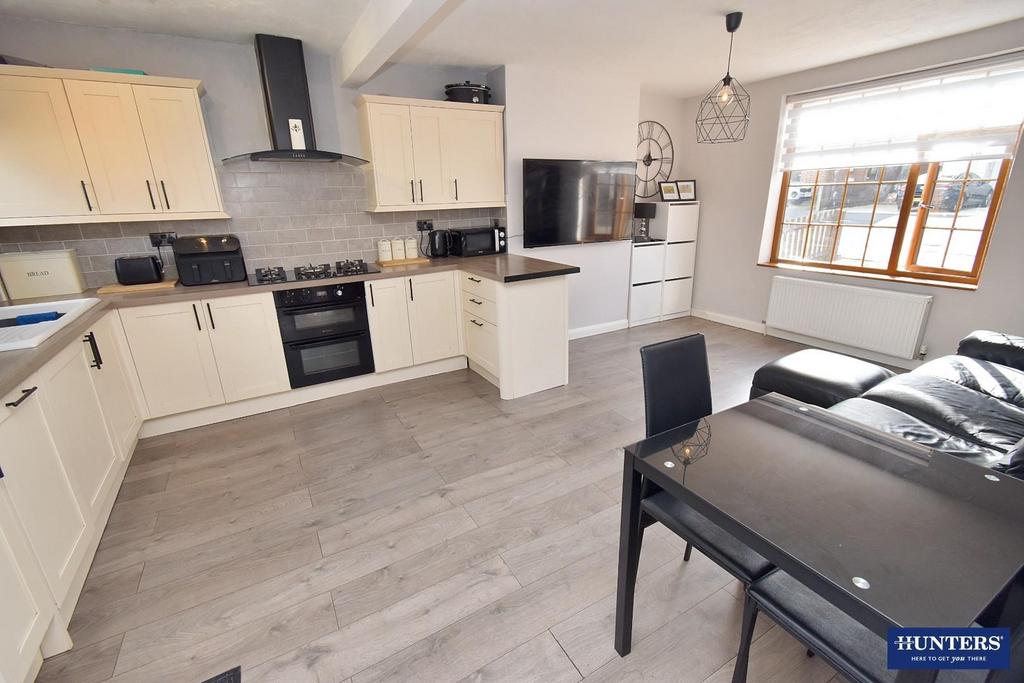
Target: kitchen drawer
(645, 302)
(482, 344)
(481, 286)
(676, 295)
(475, 305)
(679, 258)
(648, 263)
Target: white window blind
(967, 111)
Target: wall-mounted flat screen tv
(577, 202)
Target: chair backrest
(677, 386)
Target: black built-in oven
(325, 332)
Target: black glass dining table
(891, 532)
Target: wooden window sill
(964, 286)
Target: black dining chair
(849, 647)
(677, 391)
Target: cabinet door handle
(25, 393)
(149, 189)
(86, 193)
(456, 189)
(166, 200)
(97, 359)
(476, 323)
(370, 285)
(421, 189)
(209, 310)
(478, 303)
(473, 279)
(412, 189)
(195, 312)
(411, 297)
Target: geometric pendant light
(724, 113)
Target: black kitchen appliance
(138, 270)
(467, 92)
(437, 243)
(477, 241)
(286, 95)
(209, 259)
(322, 271)
(325, 332)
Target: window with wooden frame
(901, 177)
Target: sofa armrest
(995, 347)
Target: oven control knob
(339, 292)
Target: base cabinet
(28, 605)
(116, 384)
(433, 317)
(247, 346)
(388, 313)
(482, 344)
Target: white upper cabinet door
(114, 382)
(474, 155)
(176, 139)
(44, 171)
(388, 312)
(679, 259)
(28, 606)
(174, 357)
(247, 344)
(433, 317)
(115, 149)
(77, 425)
(427, 154)
(392, 154)
(40, 490)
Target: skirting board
(263, 404)
(729, 320)
(600, 328)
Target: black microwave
(477, 241)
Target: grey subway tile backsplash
(283, 213)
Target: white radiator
(877, 320)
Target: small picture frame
(687, 190)
(669, 191)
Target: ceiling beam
(384, 28)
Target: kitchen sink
(29, 336)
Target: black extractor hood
(289, 115)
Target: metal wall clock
(653, 157)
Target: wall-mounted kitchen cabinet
(88, 147)
(428, 154)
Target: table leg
(630, 540)
(917, 676)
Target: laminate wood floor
(423, 531)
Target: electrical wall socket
(425, 225)
(162, 239)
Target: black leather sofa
(970, 405)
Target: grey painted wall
(734, 186)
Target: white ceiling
(674, 47)
(323, 24)
(680, 46)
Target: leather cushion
(1015, 460)
(708, 537)
(819, 377)
(953, 408)
(997, 347)
(993, 379)
(898, 423)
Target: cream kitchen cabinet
(388, 313)
(108, 126)
(40, 488)
(196, 354)
(28, 605)
(247, 346)
(173, 355)
(44, 170)
(413, 320)
(88, 147)
(428, 154)
(116, 384)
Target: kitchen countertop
(16, 366)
